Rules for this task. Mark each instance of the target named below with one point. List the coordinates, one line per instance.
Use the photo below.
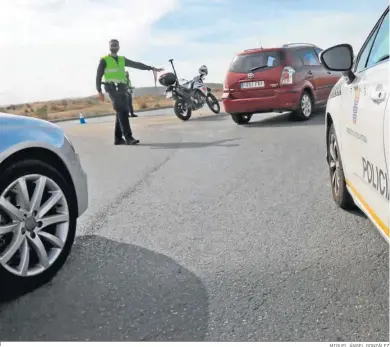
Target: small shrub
(143, 105)
(42, 112)
(56, 108)
(157, 104)
(93, 101)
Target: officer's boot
(130, 140)
(119, 141)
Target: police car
(357, 126)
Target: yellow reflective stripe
(370, 211)
(114, 80)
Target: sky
(51, 48)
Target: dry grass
(71, 108)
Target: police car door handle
(378, 96)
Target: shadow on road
(111, 291)
(284, 120)
(190, 145)
(210, 118)
(357, 212)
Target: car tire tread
(344, 199)
(298, 115)
(16, 285)
(241, 119)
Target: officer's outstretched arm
(140, 66)
(137, 65)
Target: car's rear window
(243, 63)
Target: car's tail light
(226, 91)
(225, 95)
(287, 76)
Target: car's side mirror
(339, 58)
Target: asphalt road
(211, 231)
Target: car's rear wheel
(305, 108)
(37, 225)
(336, 173)
(241, 118)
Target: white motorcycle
(190, 95)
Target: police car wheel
(305, 107)
(37, 226)
(340, 192)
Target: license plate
(168, 95)
(257, 84)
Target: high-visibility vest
(115, 71)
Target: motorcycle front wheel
(213, 103)
(182, 111)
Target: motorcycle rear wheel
(182, 111)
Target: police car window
(380, 49)
(361, 60)
(309, 57)
(361, 64)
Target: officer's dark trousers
(130, 97)
(120, 103)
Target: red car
(289, 78)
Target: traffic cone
(82, 120)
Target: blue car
(43, 191)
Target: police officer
(112, 67)
(130, 95)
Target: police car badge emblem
(355, 104)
